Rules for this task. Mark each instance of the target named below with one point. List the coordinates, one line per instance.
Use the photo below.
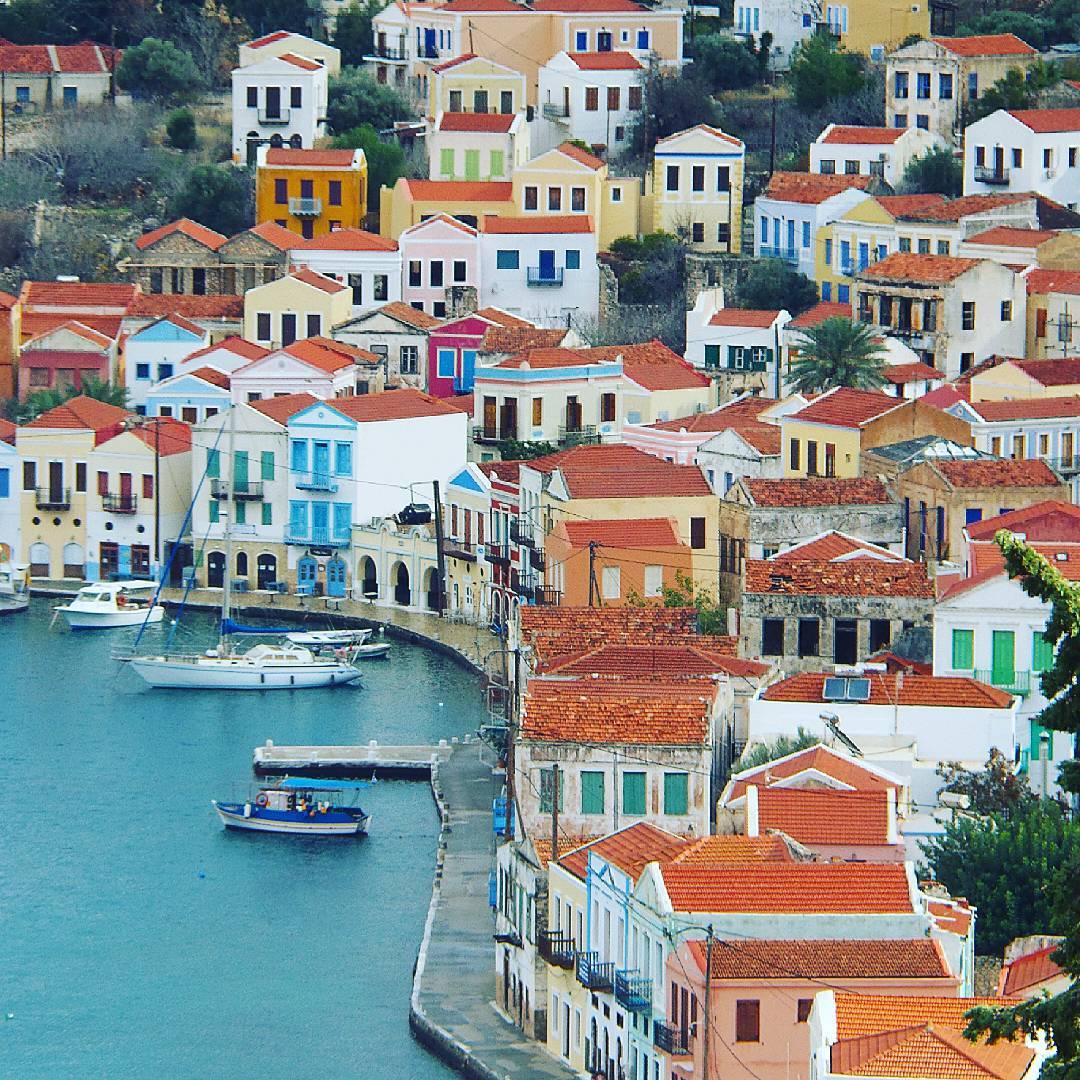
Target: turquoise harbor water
(138, 938)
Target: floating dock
(386, 762)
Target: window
(581, 41)
(480, 101)
(806, 234)
(672, 178)
(966, 360)
(1006, 311)
(676, 794)
(973, 85)
(531, 197)
(924, 246)
(29, 473)
(828, 252)
(900, 85)
(980, 156)
(697, 178)
(573, 259)
(296, 97)
(455, 101)
(416, 278)
(922, 85)
(827, 166)
(1072, 157)
(697, 533)
(252, 97)
(793, 455)
(843, 294)
(554, 200)
(851, 167)
(633, 97)
(611, 583)
(537, 412)
(334, 194)
(213, 463)
(802, 1010)
(435, 273)
(643, 39)
(945, 87)
(943, 247)
(547, 783)
(313, 324)
(498, 163)
(592, 792)
(1017, 158)
(142, 371)
(697, 232)
(613, 99)
(262, 326)
(215, 512)
(967, 315)
(506, 259)
(446, 363)
(577, 200)
(607, 408)
(654, 580)
(748, 1021)
(905, 243)
(772, 637)
(633, 794)
(408, 359)
(592, 98)
(963, 650)
(267, 513)
(380, 290)
(281, 192)
(343, 459)
(1042, 652)
(723, 232)
(506, 102)
(809, 637)
(1019, 443)
(880, 634)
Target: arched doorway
(336, 573)
(215, 570)
(40, 560)
(253, 141)
(266, 569)
(74, 560)
(431, 589)
(307, 571)
(241, 564)
(369, 578)
(402, 592)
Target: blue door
(468, 371)
(320, 523)
(307, 570)
(776, 234)
(335, 577)
(320, 463)
(547, 265)
(791, 235)
(429, 44)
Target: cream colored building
(279, 42)
(474, 84)
(477, 146)
(300, 305)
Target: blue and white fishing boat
(294, 805)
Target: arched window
(241, 564)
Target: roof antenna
(832, 721)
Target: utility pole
(157, 494)
(555, 814)
(592, 571)
(708, 1002)
(440, 555)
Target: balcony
(524, 589)
(670, 1039)
(316, 538)
(303, 207)
(314, 481)
(1014, 682)
(788, 254)
(541, 278)
(53, 498)
(985, 174)
(552, 111)
(633, 991)
(274, 117)
(497, 553)
(119, 504)
(594, 975)
(459, 549)
(242, 490)
(578, 436)
(546, 596)
(536, 559)
(486, 435)
(556, 948)
(521, 533)
(384, 52)
(1066, 464)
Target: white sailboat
(286, 666)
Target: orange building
(311, 192)
(10, 337)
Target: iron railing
(241, 489)
(537, 275)
(272, 119)
(53, 498)
(554, 111)
(1016, 682)
(556, 948)
(305, 207)
(578, 436)
(671, 1040)
(318, 537)
(521, 532)
(987, 174)
(594, 974)
(788, 254)
(119, 503)
(314, 481)
(536, 559)
(497, 552)
(633, 991)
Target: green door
(1003, 664)
(240, 469)
(472, 164)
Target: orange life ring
(261, 799)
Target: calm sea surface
(138, 938)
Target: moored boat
(373, 651)
(113, 603)
(328, 637)
(14, 588)
(293, 805)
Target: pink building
(436, 255)
(762, 992)
(453, 348)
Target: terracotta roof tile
(1028, 408)
(582, 157)
(1027, 972)
(847, 407)
(631, 849)
(25, 59)
(77, 294)
(404, 404)
(545, 223)
(185, 226)
(986, 45)
(920, 269)
(1051, 519)
(210, 375)
(987, 560)
(857, 577)
(274, 234)
(173, 436)
(1048, 121)
(862, 136)
(826, 817)
(898, 205)
(818, 491)
(451, 191)
(309, 159)
(7, 431)
(318, 281)
(480, 5)
(268, 39)
(1050, 281)
(955, 209)
(811, 188)
(346, 240)
(538, 359)
(899, 374)
(409, 315)
(494, 123)
(605, 61)
(997, 472)
(623, 532)
(588, 7)
(666, 661)
(833, 546)
(937, 691)
(192, 307)
(465, 403)
(301, 62)
(652, 365)
(815, 316)
(444, 219)
(81, 413)
(615, 470)
(1063, 372)
(814, 760)
(1005, 236)
(503, 318)
(79, 329)
(513, 339)
(446, 65)
(867, 1014)
(542, 846)
(721, 850)
(946, 396)
(284, 407)
(238, 346)
(744, 317)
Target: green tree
(517, 450)
(996, 789)
(712, 618)
(837, 352)
(772, 284)
(823, 71)
(761, 753)
(385, 160)
(180, 129)
(724, 64)
(41, 401)
(1015, 90)
(352, 32)
(219, 197)
(1036, 30)
(650, 269)
(355, 98)
(938, 170)
(672, 103)
(158, 71)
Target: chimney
(752, 826)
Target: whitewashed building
(11, 485)
(477, 146)
(789, 23)
(369, 264)
(398, 335)
(158, 352)
(870, 151)
(321, 367)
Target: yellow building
(861, 236)
(1024, 380)
(311, 192)
(300, 305)
(867, 26)
(1053, 301)
(568, 914)
(474, 84)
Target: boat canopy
(230, 627)
(294, 783)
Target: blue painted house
(192, 396)
(156, 352)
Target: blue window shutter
(826, 290)
(764, 229)
(806, 234)
(828, 252)
(843, 294)
(298, 514)
(5, 483)
(343, 458)
(299, 455)
(342, 519)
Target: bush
(672, 103)
(385, 160)
(357, 99)
(1037, 31)
(724, 64)
(352, 31)
(158, 71)
(772, 284)
(219, 197)
(180, 129)
(762, 753)
(823, 71)
(937, 170)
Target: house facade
(398, 334)
(439, 257)
(302, 304)
(311, 192)
(884, 152)
(64, 356)
(477, 146)
(156, 353)
(369, 264)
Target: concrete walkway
(454, 985)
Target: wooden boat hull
(217, 673)
(233, 817)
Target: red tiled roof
(930, 691)
(856, 577)
(986, 45)
(724, 850)
(815, 759)
(35, 323)
(955, 209)
(946, 396)
(191, 229)
(465, 403)
(346, 240)
(587, 7)
(740, 416)
(582, 157)
(274, 234)
(542, 847)
(743, 317)
(1050, 281)
(268, 39)
(898, 205)
(1048, 121)
(675, 712)
(77, 294)
(866, 1014)
(793, 888)
(811, 188)
(615, 470)
(192, 307)
(79, 329)
(447, 64)
(513, 339)
(502, 318)
(1006, 236)
(822, 310)
(666, 661)
(284, 407)
(630, 849)
(318, 355)
(211, 375)
(83, 413)
(987, 561)
(238, 346)
(862, 136)
(7, 431)
(1051, 519)
(824, 816)
(496, 123)
(541, 358)
(1028, 408)
(404, 404)
(997, 472)
(895, 958)
(898, 374)
(547, 223)
(652, 365)
(480, 5)
(921, 269)
(1063, 372)
(817, 491)
(308, 159)
(318, 281)
(832, 546)
(452, 191)
(173, 436)
(25, 59)
(301, 62)
(847, 407)
(605, 61)
(1027, 972)
(409, 315)
(623, 532)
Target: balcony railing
(987, 174)
(633, 991)
(485, 434)
(317, 538)
(119, 503)
(314, 481)
(274, 118)
(53, 498)
(593, 974)
(546, 595)
(242, 490)
(669, 1039)
(497, 553)
(788, 254)
(536, 559)
(578, 436)
(1015, 682)
(521, 533)
(553, 111)
(384, 52)
(460, 549)
(556, 948)
(536, 275)
(524, 589)
(305, 207)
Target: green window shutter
(241, 513)
(446, 162)
(592, 792)
(240, 467)
(731, 356)
(472, 164)
(676, 793)
(1003, 658)
(268, 464)
(1035, 748)
(1042, 652)
(215, 511)
(712, 356)
(963, 650)
(633, 794)
(497, 163)
(213, 464)
(267, 514)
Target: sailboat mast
(230, 479)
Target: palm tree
(41, 401)
(837, 352)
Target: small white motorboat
(113, 603)
(373, 651)
(329, 637)
(14, 589)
